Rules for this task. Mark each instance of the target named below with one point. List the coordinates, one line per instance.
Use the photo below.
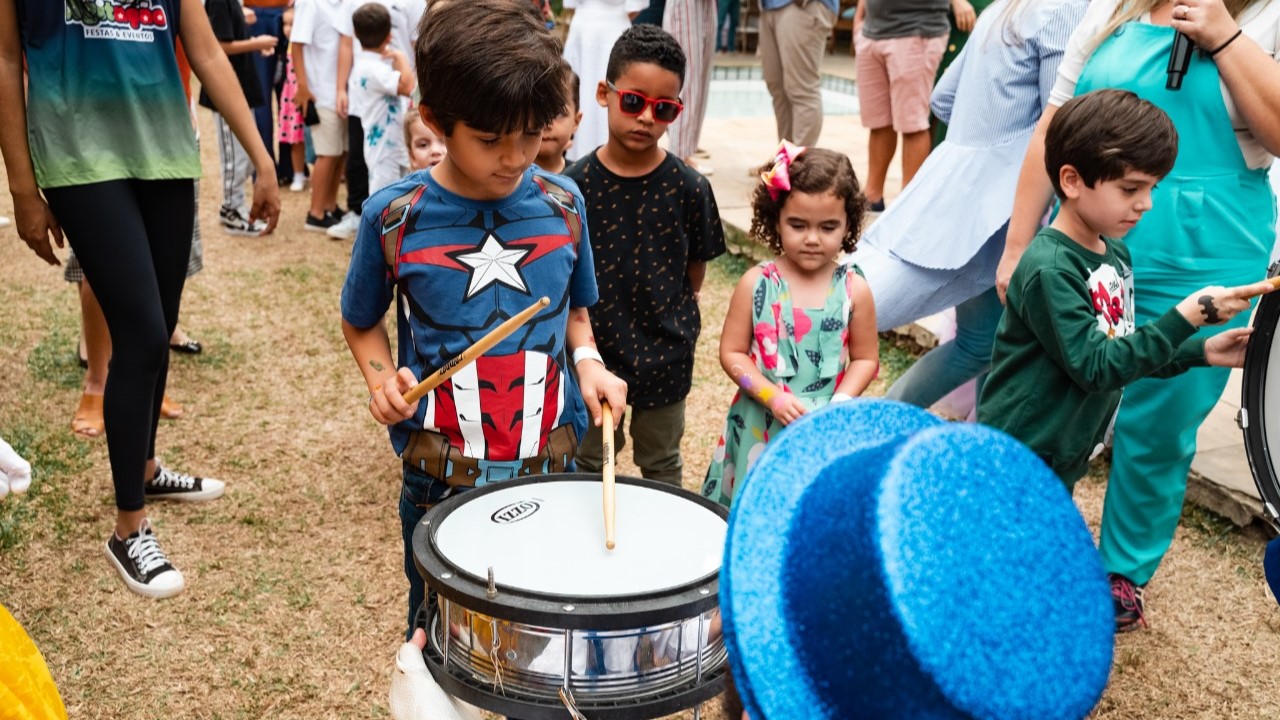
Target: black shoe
(143, 565)
(170, 485)
(189, 347)
(876, 207)
(1127, 600)
(320, 224)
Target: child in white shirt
(379, 86)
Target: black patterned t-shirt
(645, 231)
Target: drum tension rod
(492, 592)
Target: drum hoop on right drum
(1252, 417)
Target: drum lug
(1242, 419)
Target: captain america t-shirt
(464, 266)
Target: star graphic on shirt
(492, 263)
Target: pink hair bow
(778, 178)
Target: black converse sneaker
(170, 485)
(142, 564)
(233, 223)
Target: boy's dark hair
(575, 87)
(645, 44)
(814, 171)
(489, 64)
(1106, 133)
(372, 24)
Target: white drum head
(549, 538)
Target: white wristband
(840, 397)
(586, 352)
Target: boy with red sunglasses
(654, 226)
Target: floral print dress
(799, 349)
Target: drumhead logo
(515, 512)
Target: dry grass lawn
(295, 597)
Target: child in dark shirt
(1067, 345)
(656, 226)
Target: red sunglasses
(634, 103)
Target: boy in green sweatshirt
(1066, 345)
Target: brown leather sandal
(87, 423)
(170, 409)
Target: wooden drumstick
(1273, 281)
(607, 471)
(480, 347)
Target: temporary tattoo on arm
(1209, 309)
(764, 394)
(377, 365)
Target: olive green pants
(655, 434)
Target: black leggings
(132, 238)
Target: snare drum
(1259, 416)
(535, 616)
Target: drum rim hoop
(674, 603)
(1257, 451)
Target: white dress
(596, 26)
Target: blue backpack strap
(394, 219)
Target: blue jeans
(953, 363)
(418, 493)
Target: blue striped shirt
(778, 4)
(1005, 83)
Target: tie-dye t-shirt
(105, 98)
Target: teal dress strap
(833, 333)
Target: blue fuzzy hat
(882, 563)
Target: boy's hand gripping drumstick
(607, 471)
(481, 346)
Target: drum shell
(1254, 410)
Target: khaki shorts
(895, 79)
(329, 138)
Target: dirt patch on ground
(296, 592)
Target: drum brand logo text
(515, 512)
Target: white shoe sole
(162, 586)
(211, 490)
(315, 228)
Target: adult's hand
(266, 199)
(1207, 22)
(966, 16)
(302, 96)
(35, 222)
(1004, 272)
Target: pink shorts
(895, 79)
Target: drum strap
(432, 453)
(395, 218)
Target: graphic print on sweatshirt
(1112, 293)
